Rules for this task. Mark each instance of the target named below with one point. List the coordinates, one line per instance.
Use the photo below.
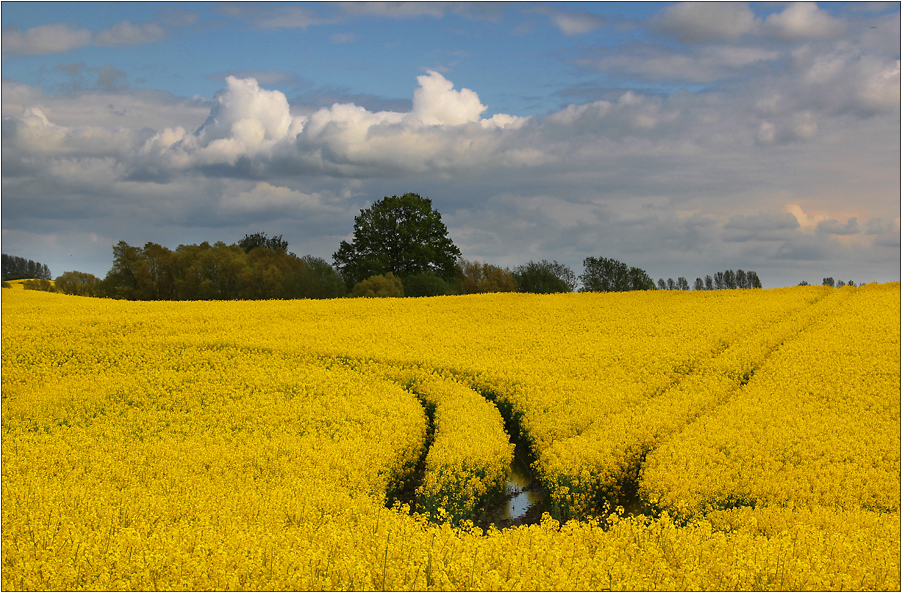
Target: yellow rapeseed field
(261, 445)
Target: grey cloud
(570, 23)
(491, 11)
(266, 16)
(110, 78)
(890, 240)
(61, 37)
(397, 9)
(127, 33)
(172, 17)
(834, 227)
(343, 37)
(887, 234)
(656, 62)
(806, 249)
(288, 17)
(44, 39)
(146, 108)
(706, 21)
(841, 79)
(802, 21)
(759, 227)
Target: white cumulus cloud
(436, 102)
(802, 21)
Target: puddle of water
(519, 500)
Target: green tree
(255, 240)
(608, 274)
(480, 277)
(639, 280)
(38, 284)
(379, 285)
(83, 284)
(402, 235)
(122, 279)
(425, 284)
(317, 280)
(269, 271)
(17, 268)
(154, 273)
(544, 277)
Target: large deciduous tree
(403, 235)
(608, 274)
(544, 277)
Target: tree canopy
(217, 271)
(255, 240)
(16, 267)
(480, 277)
(544, 277)
(608, 274)
(402, 235)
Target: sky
(680, 138)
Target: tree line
(720, 280)
(257, 267)
(399, 247)
(17, 268)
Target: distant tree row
(829, 282)
(399, 247)
(16, 268)
(720, 280)
(257, 267)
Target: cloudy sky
(680, 138)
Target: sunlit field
(752, 435)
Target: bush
(387, 285)
(38, 284)
(78, 283)
(425, 284)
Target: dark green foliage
(318, 280)
(730, 279)
(5, 285)
(544, 277)
(608, 274)
(218, 271)
(402, 235)
(256, 240)
(78, 283)
(17, 268)
(38, 284)
(425, 284)
(379, 285)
